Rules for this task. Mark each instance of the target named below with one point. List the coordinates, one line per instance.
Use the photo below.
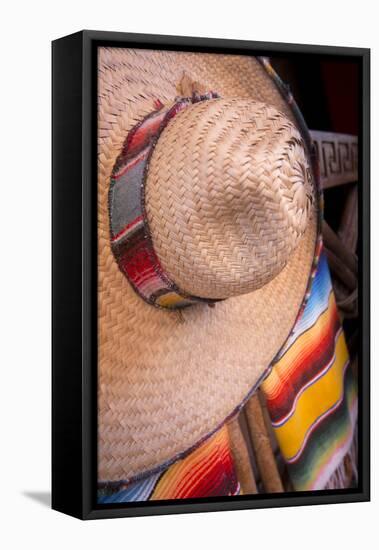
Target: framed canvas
(210, 275)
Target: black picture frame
(74, 294)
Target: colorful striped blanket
(208, 471)
(311, 397)
(311, 392)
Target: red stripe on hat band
(126, 228)
(132, 246)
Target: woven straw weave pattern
(167, 380)
(228, 196)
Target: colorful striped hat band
(131, 240)
(271, 218)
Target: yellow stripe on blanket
(316, 400)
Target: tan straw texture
(228, 196)
(168, 379)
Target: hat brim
(168, 379)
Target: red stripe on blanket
(311, 360)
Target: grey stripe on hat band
(126, 198)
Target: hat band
(131, 240)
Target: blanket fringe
(346, 475)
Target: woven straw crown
(228, 196)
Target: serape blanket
(311, 391)
(311, 397)
(208, 471)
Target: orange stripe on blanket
(199, 473)
(308, 344)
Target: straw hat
(205, 198)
